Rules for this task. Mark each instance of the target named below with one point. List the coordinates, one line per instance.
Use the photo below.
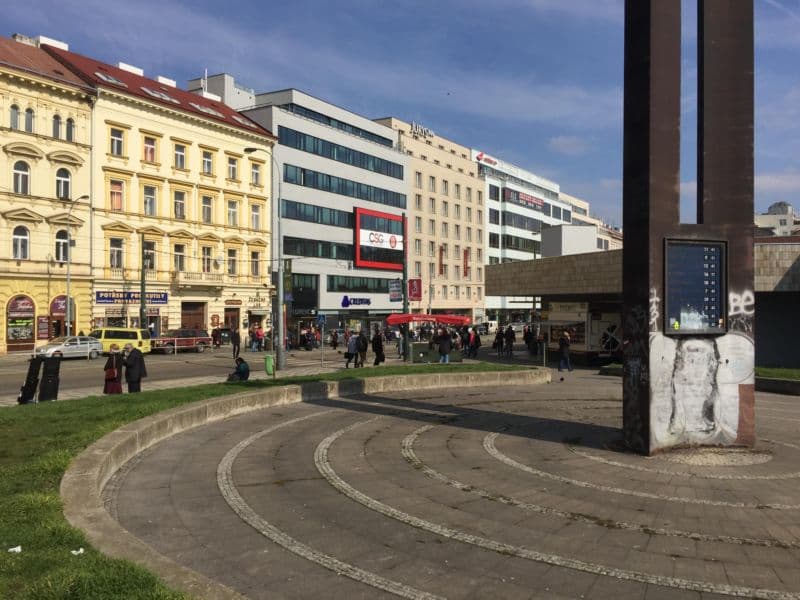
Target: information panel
(695, 287)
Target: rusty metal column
(651, 177)
(725, 175)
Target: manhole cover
(717, 457)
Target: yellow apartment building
(45, 116)
(446, 222)
(181, 197)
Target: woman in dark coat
(113, 372)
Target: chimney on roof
(166, 81)
(131, 69)
(46, 41)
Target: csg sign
(378, 239)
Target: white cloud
(569, 145)
(786, 182)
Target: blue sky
(535, 82)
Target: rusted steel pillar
(688, 289)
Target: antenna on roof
(204, 81)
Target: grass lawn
(776, 373)
(37, 443)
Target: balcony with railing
(197, 279)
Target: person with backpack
(511, 337)
(351, 352)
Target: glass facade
(343, 154)
(344, 187)
(335, 123)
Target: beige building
(608, 237)
(445, 222)
(45, 114)
(178, 195)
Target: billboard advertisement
(378, 240)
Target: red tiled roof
(35, 61)
(110, 77)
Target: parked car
(81, 346)
(108, 336)
(182, 339)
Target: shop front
(20, 324)
(58, 317)
(115, 308)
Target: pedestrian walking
(563, 349)
(510, 338)
(352, 352)
(499, 339)
(444, 343)
(216, 338)
(260, 338)
(135, 369)
(113, 371)
(377, 348)
(363, 344)
(252, 338)
(236, 342)
(334, 339)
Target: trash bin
(420, 352)
(269, 366)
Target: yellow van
(139, 338)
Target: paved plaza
(513, 492)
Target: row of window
(293, 246)
(444, 188)
(22, 181)
(181, 259)
(311, 213)
(150, 154)
(445, 249)
(180, 208)
(344, 187)
(27, 122)
(336, 124)
(512, 242)
(444, 230)
(445, 209)
(539, 190)
(21, 244)
(343, 154)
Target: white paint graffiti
(742, 304)
(655, 302)
(694, 387)
(741, 311)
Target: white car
(67, 347)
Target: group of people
(128, 363)
(357, 345)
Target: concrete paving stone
(655, 592)
(574, 584)
(606, 588)
(772, 557)
(700, 570)
(722, 552)
(754, 576)
(652, 563)
(672, 546)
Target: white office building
(519, 204)
(343, 190)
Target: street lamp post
(280, 354)
(69, 262)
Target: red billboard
(378, 240)
(414, 290)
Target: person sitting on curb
(242, 371)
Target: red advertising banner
(466, 262)
(441, 260)
(415, 290)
